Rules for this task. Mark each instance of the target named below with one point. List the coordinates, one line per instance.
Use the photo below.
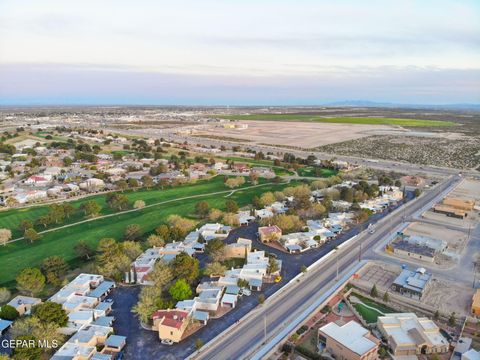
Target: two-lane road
(246, 337)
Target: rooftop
(351, 335)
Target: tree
(68, 209)
(215, 214)
(122, 185)
(91, 208)
(24, 225)
(5, 236)
(54, 268)
(180, 290)
(179, 226)
(132, 232)
(163, 231)
(155, 241)
(374, 291)
(230, 219)
(215, 269)
(147, 181)
(117, 201)
(242, 283)
(214, 245)
(133, 183)
(235, 182)
(198, 343)
(84, 250)
(231, 206)
(30, 280)
(161, 275)
(185, 267)
(131, 249)
(50, 312)
(417, 192)
(261, 298)
(272, 265)
(8, 312)
(267, 199)
(31, 235)
(202, 208)
(303, 269)
(4, 295)
(386, 297)
(288, 223)
(139, 204)
(150, 300)
(27, 352)
(452, 320)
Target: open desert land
(304, 135)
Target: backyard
(368, 309)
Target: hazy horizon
(255, 53)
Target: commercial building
(412, 283)
(350, 341)
(409, 335)
(450, 211)
(419, 247)
(476, 303)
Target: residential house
(171, 324)
(24, 304)
(269, 233)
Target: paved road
(246, 337)
(377, 164)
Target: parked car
(246, 292)
(167, 342)
(278, 279)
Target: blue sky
(239, 52)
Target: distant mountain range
(365, 103)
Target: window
(171, 332)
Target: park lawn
(11, 219)
(280, 171)
(43, 135)
(310, 171)
(340, 120)
(19, 255)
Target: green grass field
(280, 171)
(310, 171)
(370, 315)
(19, 255)
(11, 219)
(340, 120)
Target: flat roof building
(409, 335)
(350, 341)
(412, 283)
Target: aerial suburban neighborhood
(239, 180)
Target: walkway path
(228, 192)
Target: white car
(246, 292)
(167, 342)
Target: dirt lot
(467, 189)
(455, 239)
(306, 135)
(444, 295)
(448, 297)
